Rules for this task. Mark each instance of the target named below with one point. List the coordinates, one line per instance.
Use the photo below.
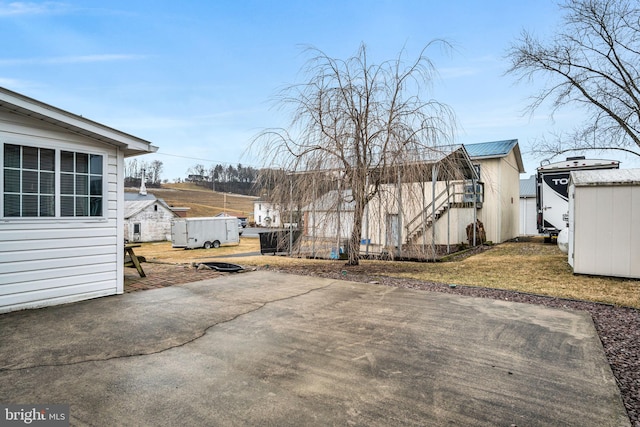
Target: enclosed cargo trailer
(206, 232)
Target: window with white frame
(35, 186)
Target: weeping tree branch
(355, 122)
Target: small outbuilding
(147, 218)
(604, 222)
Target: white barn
(62, 208)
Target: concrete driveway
(264, 348)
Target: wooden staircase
(455, 195)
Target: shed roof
(495, 150)
(528, 187)
(133, 207)
(605, 177)
(19, 104)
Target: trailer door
(179, 236)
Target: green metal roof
(491, 149)
(495, 149)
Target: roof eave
(25, 106)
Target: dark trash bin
(272, 242)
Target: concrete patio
(264, 348)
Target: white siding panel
(55, 296)
(60, 233)
(7, 247)
(15, 257)
(41, 270)
(60, 282)
(80, 258)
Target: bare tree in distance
(592, 63)
(355, 126)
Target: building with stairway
(432, 211)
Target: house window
(34, 187)
(477, 168)
(80, 184)
(29, 181)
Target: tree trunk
(356, 233)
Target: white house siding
(48, 261)
(500, 213)
(262, 210)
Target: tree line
(135, 170)
(221, 173)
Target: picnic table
(130, 258)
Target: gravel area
(618, 327)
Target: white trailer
(205, 233)
(552, 196)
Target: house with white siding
(62, 208)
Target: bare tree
(155, 171)
(354, 123)
(593, 63)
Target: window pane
(66, 183)
(82, 184)
(82, 163)
(47, 160)
(96, 186)
(66, 206)
(66, 161)
(29, 205)
(11, 156)
(96, 164)
(11, 205)
(11, 181)
(96, 206)
(29, 158)
(29, 182)
(82, 206)
(47, 207)
(47, 183)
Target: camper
(552, 195)
(205, 233)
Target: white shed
(62, 209)
(147, 218)
(604, 222)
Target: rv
(552, 196)
(205, 233)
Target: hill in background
(203, 202)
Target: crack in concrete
(150, 353)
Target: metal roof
(528, 187)
(494, 150)
(606, 177)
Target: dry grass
(531, 267)
(203, 202)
